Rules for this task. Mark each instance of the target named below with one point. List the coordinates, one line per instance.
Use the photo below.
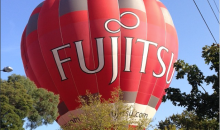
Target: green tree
(20, 99)
(188, 121)
(204, 104)
(100, 114)
(15, 105)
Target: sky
(191, 29)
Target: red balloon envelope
(70, 46)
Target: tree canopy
(202, 108)
(20, 99)
(188, 121)
(101, 114)
(203, 103)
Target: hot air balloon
(70, 46)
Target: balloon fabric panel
(97, 16)
(172, 44)
(36, 59)
(156, 33)
(50, 39)
(26, 63)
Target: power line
(204, 21)
(213, 11)
(216, 6)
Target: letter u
(79, 50)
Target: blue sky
(192, 34)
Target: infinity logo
(127, 27)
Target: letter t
(145, 53)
